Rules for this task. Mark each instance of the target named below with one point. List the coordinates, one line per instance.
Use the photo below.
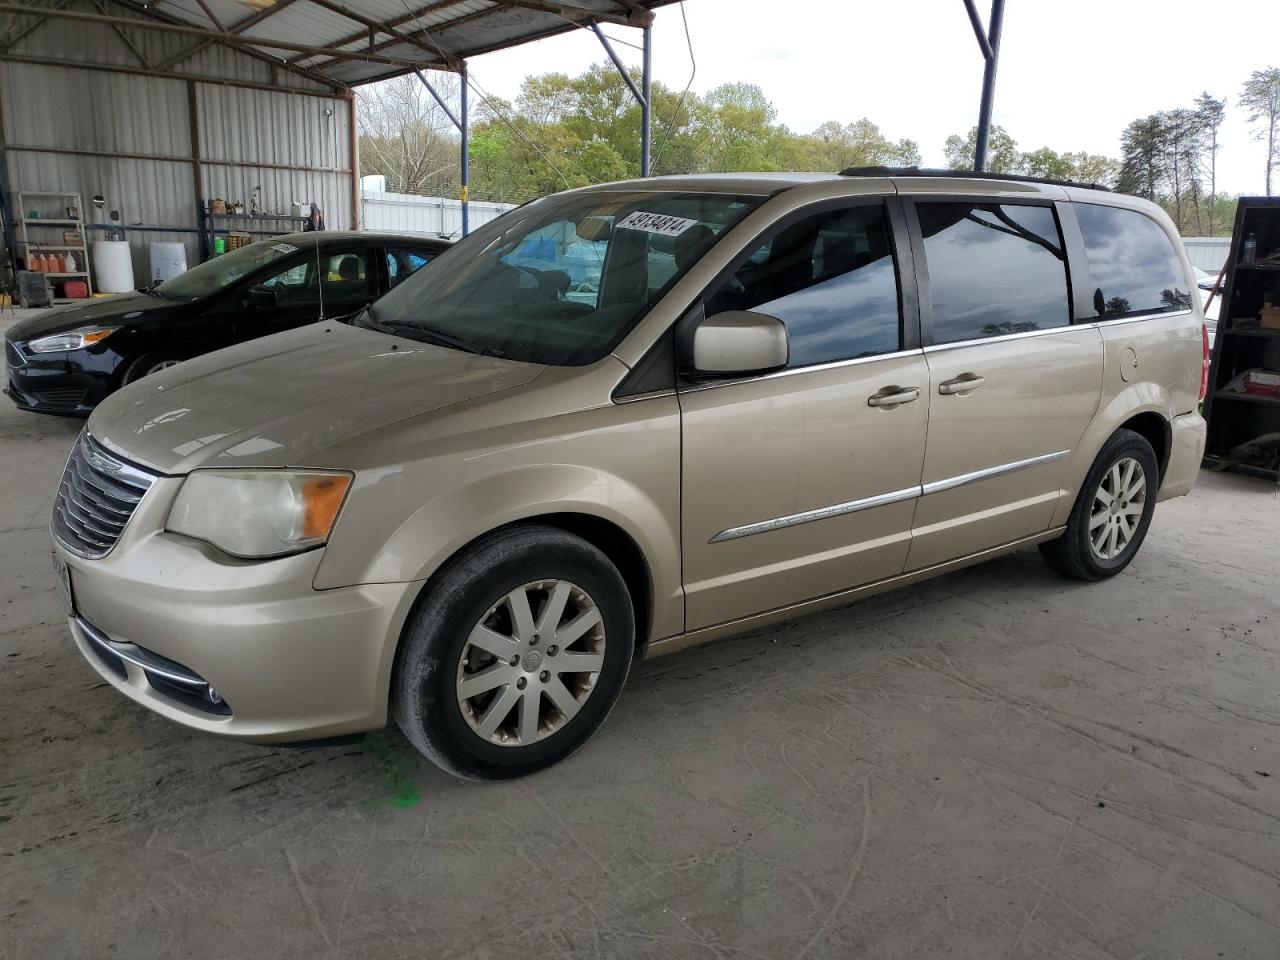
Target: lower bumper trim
(165, 676)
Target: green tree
(1261, 100)
(1182, 135)
(1143, 157)
(1002, 151)
(835, 146)
(1211, 112)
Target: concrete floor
(999, 764)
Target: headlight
(259, 513)
(71, 340)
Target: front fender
(619, 464)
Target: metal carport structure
(252, 78)
(162, 106)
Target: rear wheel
(1112, 511)
(516, 655)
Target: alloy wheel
(531, 663)
(161, 365)
(1118, 505)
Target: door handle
(890, 397)
(962, 385)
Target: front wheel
(148, 364)
(1112, 511)
(515, 656)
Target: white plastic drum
(112, 266)
(167, 260)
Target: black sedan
(68, 361)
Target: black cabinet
(1248, 337)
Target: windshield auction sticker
(284, 248)
(656, 223)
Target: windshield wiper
(417, 332)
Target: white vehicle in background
(1206, 281)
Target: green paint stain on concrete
(391, 768)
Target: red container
(1262, 384)
(75, 289)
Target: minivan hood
(108, 311)
(278, 400)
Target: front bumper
(288, 662)
(59, 383)
(1186, 450)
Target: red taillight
(1204, 365)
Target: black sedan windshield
(563, 279)
(225, 269)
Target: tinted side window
(402, 261)
(994, 269)
(831, 279)
(1132, 263)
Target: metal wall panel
(437, 216)
(258, 125)
(75, 109)
(150, 192)
(64, 108)
(1207, 253)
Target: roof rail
(971, 174)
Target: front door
(803, 482)
(334, 284)
(1012, 384)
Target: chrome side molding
(950, 483)
(883, 499)
(821, 513)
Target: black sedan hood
(123, 310)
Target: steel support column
(989, 44)
(641, 93)
(465, 157)
(646, 105)
(462, 123)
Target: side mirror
(739, 342)
(262, 298)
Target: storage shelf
(1261, 267)
(1251, 332)
(50, 246)
(256, 216)
(1247, 397)
(50, 222)
(74, 273)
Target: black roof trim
(970, 174)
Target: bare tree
(1261, 98)
(404, 134)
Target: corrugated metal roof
(359, 41)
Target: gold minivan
(627, 419)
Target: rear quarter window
(1133, 266)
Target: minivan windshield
(225, 269)
(561, 280)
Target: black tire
(142, 365)
(1073, 554)
(424, 697)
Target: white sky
(1071, 75)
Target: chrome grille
(96, 498)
